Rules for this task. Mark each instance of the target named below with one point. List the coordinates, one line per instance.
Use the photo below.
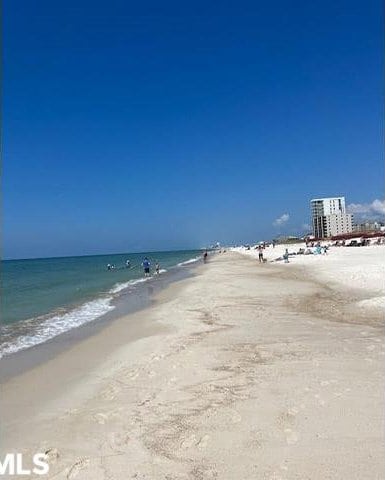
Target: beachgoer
(157, 268)
(128, 263)
(205, 255)
(146, 267)
(109, 266)
(260, 254)
(286, 256)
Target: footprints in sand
(51, 455)
(111, 392)
(287, 420)
(203, 441)
(203, 472)
(77, 467)
(293, 411)
(319, 399)
(291, 436)
(236, 417)
(101, 418)
(274, 476)
(156, 358)
(189, 442)
(194, 441)
(134, 375)
(328, 388)
(147, 400)
(342, 392)
(117, 441)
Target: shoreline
(233, 380)
(74, 358)
(81, 292)
(129, 300)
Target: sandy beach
(244, 371)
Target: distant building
(329, 217)
(370, 226)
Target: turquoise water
(44, 297)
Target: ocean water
(41, 298)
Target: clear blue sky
(131, 126)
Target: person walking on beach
(157, 268)
(146, 267)
(286, 256)
(205, 255)
(260, 253)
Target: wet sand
(244, 371)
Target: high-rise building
(329, 217)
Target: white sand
(250, 375)
(360, 268)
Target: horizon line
(103, 254)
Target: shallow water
(42, 298)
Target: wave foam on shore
(36, 331)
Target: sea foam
(191, 260)
(57, 324)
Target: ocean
(42, 298)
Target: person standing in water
(128, 263)
(157, 268)
(146, 267)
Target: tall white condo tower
(329, 217)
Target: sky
(136, 126)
